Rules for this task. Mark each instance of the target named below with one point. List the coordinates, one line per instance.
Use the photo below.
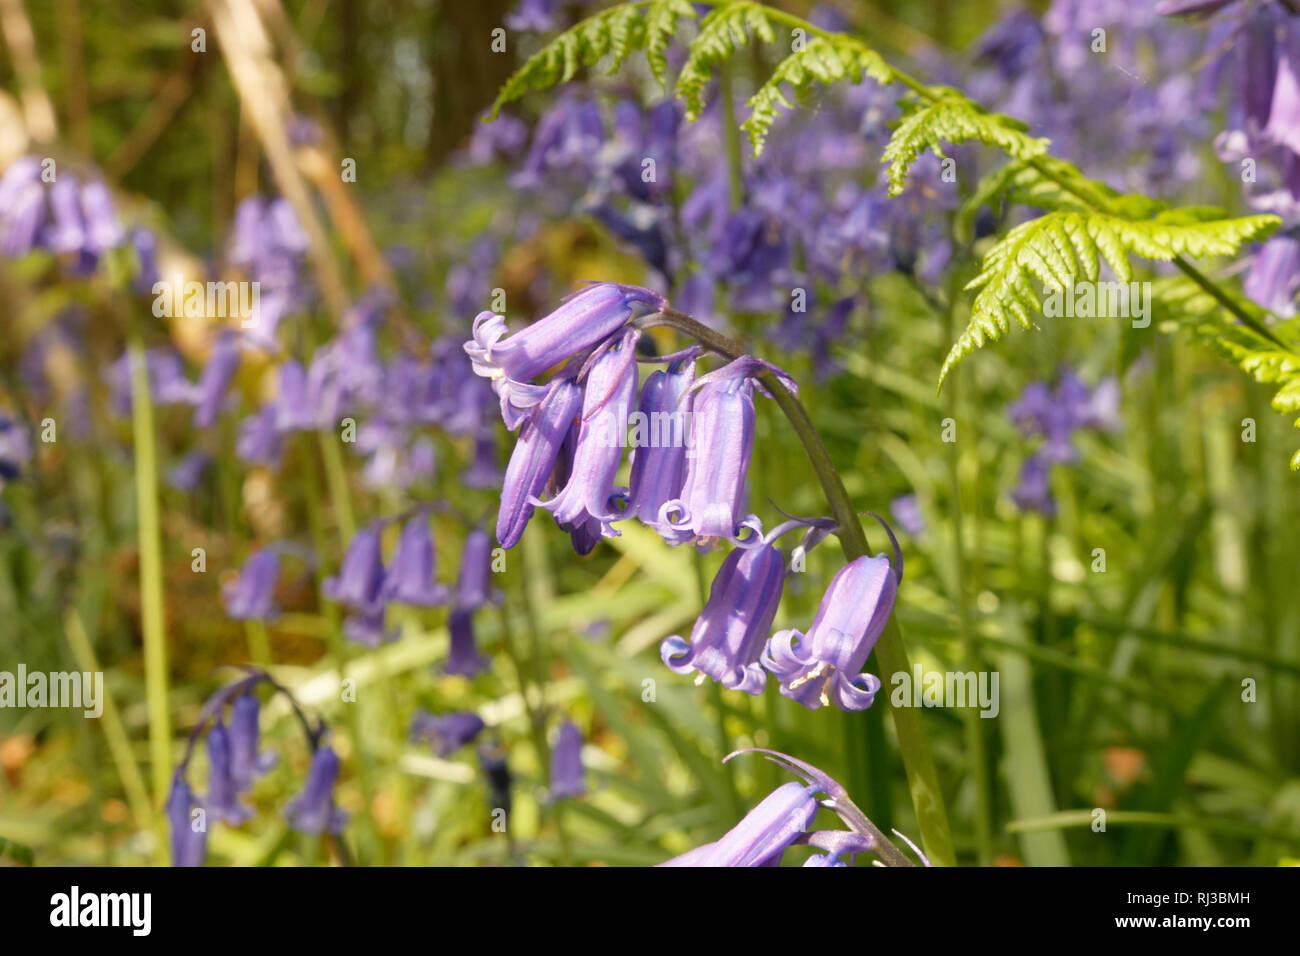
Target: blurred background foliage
(1121, 689)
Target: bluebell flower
(365, 625)
(258, 441)
(186, 473)
(824, 666)
(412, 575)
(463, 659)
(189, 846)
(215, 378)
(659, 456)
(222, 800)
(730, 633)
(246, 762)
(312, 810)
(566, 764)
(1274, 275)
(472, 590)
(589, 494)
(1034, 491)
(362, 572)
(446, 733)
(15, 448)
(533, 458)
(763, 836)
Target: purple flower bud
(446, 733)
(188, 845)
(729, 636)
(825, 665)
(712, 501)
(258, 442)
(463, 658)
(361, 573)
(412, 577)
(659, 462)
(566, 764)
(764, 834)
(533, 458)
(246, 764)
(215, 379)
(313, 810)
(610, 390)
(223, 795)
(251, 596)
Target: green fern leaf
(1060, 248)
(952, 118)
(721, 32)
(823, 60)
(660, 25)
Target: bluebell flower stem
(922, 779)
(152, 622)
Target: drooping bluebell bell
(258, 441)
(463, 658)
(22, 206)
(589, 494)
(361, 573)
(712, 501)
(566, 763)
(188, 471)
(312, 810)
(499, 778)
(730, 633)
(763, 836)
(165, 372)
(412, 575)
(15, 448)
(188, 844)
(446, 733)
(824, 665)
(145, 243)
(472, 587)
(215, 378)
(483, 471)
(585, 319)
(1034, 490)
(659, 455)
(247, 763)
(222, 800)
(533, 458)
(366, 626)
(1274, 276)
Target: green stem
(152, 621)
(922, 779)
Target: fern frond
(824, 60)
(1059, 248)
(721, 32)
(952, 118)
(616, 32)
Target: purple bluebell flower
(412, 575)
(103, 228)
(361, 573)
(15, 448)
(365, 625)
(589, 494)
(582, 321)
(533, 458)
(313, 810)
(536, 16)
(566, 764)
(189, 846)
(145, 243)
(483, 471)
(1034, 492)
(463, 659)
(472, 590)
(659, 441)
(186, 473)
(215, 378)
(258, 441)
(825, 665)
(730, 633)
(906, 511)
(251, 596)
(246, 762)
(167, 382)
(712, 501)
(222, 800)
(766, 832)
(1274, 276)
(446, 733)
(65, 232)
(499, 778)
